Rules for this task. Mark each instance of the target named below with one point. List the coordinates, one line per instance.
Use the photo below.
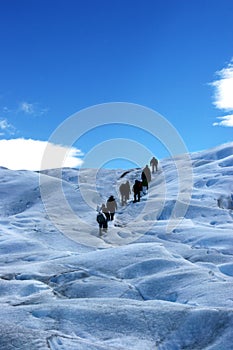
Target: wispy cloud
(6, 109)
(6, 127)
(27, 108)
(227, 120)
(33, 109)
(28, 154)
(223, 95)
(4, 124)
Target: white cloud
(33, 109)
(224, 89)
(27, 108)
(3, 124)
(223, 96)
(227, 120)
(22, 154)
(6, 127)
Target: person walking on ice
(111, 206)
(102, 220)
(146, 178)
(137, 187)
(125, 192)
(144, 183)
(147, 173)
(154, 164)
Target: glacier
(140, 286)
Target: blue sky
(61, 56)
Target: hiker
(154, 164)
(105, 210)
(102, 221)
(147, 173)
(137, 187)
(146, 178)
(125, 192)
(144, 183)
(111, 206)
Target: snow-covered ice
(150, 283)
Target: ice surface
(140, 286)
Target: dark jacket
(137, 187)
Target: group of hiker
(141, 187)
(107, 211)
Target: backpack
(100, 218)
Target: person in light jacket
(111, 206)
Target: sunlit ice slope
(161, 278)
